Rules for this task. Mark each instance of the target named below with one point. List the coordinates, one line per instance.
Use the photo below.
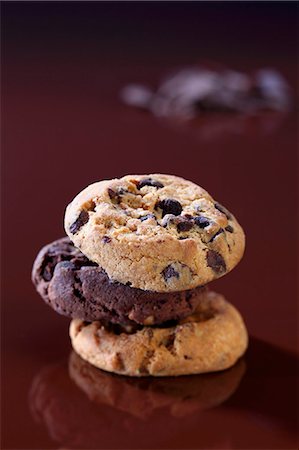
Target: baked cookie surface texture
(213, 338)
(155, 232)
(78, 288)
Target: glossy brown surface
(64, 127)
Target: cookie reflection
(141, 397)
(84, 407)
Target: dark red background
(64, 127)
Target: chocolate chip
(116, 195)
(169, 272)
(112, 194)
(182, 238)
(170, 206)
(169, 342)
(79, 222)
(106, 239)
(201, 221)
(216, 262)
(229, 228)
(149, 182)
(146, 217)
(223, 210)
(216, 234)
(184, 225)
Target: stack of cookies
(132, 275)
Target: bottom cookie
(213, 338)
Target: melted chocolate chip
(149, 182)
(184, 225)
(147, 216)
(106, 239)
(216, 262)
(79, 222)
(170, 206)
(216, 234)
(201, 221)
(223, 210)
(169, 272)
(229, 228)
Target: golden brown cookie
(209, 340)
(155, 232)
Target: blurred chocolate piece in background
(193, 91)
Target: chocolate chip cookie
(210, 339)
(155, 232)
(78, 288)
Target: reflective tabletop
(64, 128)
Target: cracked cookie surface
(155, 232)
(75, 287)
(211, 339)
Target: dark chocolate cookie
(78, 288)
